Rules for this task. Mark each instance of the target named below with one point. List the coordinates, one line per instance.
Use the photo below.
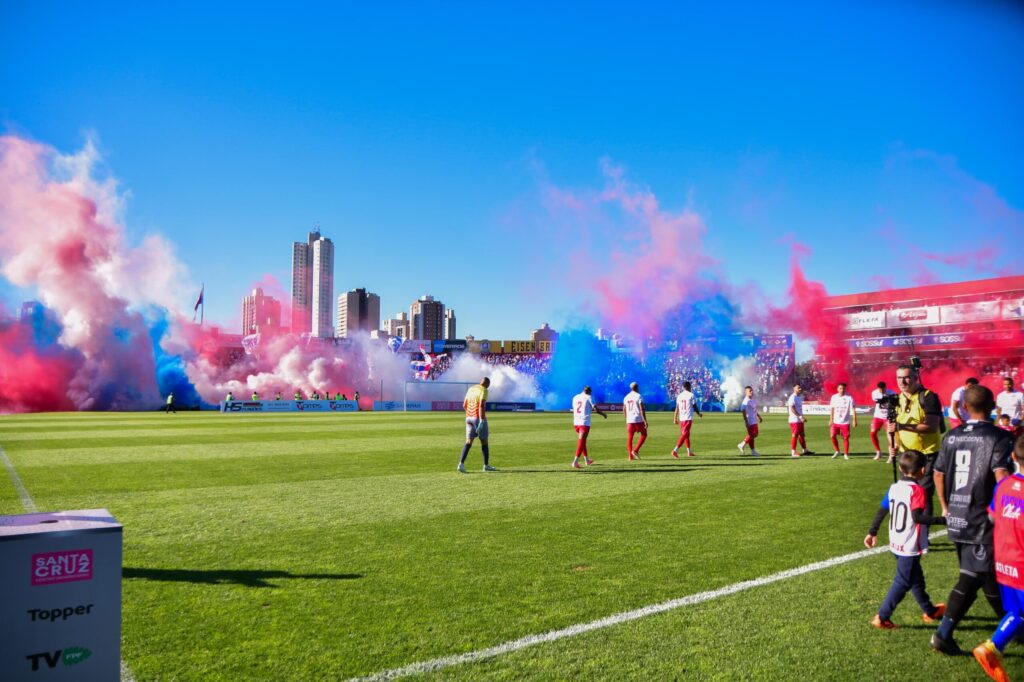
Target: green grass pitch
(322, 547)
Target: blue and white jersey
(905, 537)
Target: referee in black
(972, 459)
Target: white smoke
(736, 374)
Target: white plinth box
(60, 596)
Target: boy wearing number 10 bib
(908, 539)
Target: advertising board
(912, 317)
(870, 319)
(399, 406)
(60, 596)
(238, 406)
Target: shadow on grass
(252, 578)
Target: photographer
(918, 423)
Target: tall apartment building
(261, 314)
(426, 317)
(449, 324)
(323, 288)
(358, 310)
(312, 286)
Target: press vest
(911, 412)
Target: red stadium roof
(995, 285)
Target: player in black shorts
(972, 458)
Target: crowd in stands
(774, 371)
(1003, 368)
(706, 384)
(527, 363)
(442, 363)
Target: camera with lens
(890, 402)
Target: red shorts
(877, 424)
(684, 428)
(636, 428)
(752, 430)
(796, 428)
(582, 430)
(843, 429)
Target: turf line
(619, 618)
(30, 507)
(26, 499)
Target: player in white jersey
(908, 540)
(751, 419)
(1010, 402)
(795, 410)
(582, 406)
(841, 413)
(686, 405)
(957, 408)
(636, 419)
(879, 417)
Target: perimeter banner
(289, 406)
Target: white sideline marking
(30, 507)
(26, 499)
(624, 617)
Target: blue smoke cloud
(46, 328)
(705, 327)
(170, 369)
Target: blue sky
(419, 137)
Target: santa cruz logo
(73, 655)
(61, 567)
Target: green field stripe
(380, 500)
(812, 627)
(486, 577)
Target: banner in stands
(289, 406)
(399, 406)
(773, 341)
(520, 347)
(926, 340)
(413, 345)
(1013, 310)
(912, 317)
(511, 407)
(545, 346)
(870, 319)
(449, 346)
(980, 311)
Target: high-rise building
(426, 317)
(398, 326)
(323, 288)
(449, 324)
(261, 314)
(312, 286)
(358, 310)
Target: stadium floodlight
(418, 385)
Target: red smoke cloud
(657, 257)
(31, 380)
(59, 234)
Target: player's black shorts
(974, 559)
